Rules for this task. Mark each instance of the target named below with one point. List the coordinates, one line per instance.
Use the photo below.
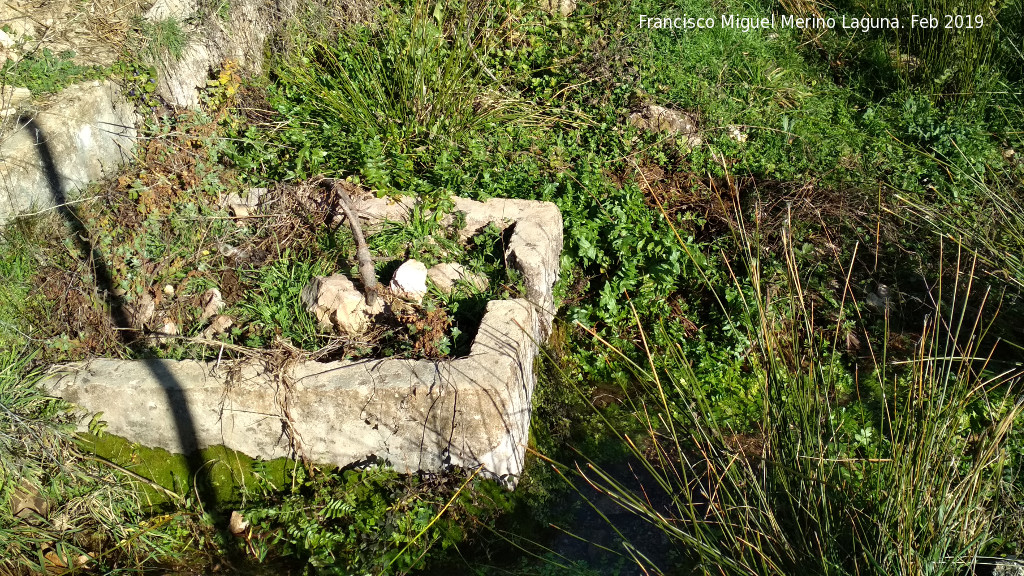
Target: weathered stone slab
(416, 414)
(86, 135)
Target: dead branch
(367, 273)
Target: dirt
(97, 31)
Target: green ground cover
(724, 326)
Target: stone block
(416, 414)
(85, 135)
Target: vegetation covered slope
(791, 348)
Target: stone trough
(472, 412)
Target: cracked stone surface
(416, 414)
(87, 135)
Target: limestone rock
(410, 281)
(212, 303)
(660, 119)
(563, 7)
(220, 325)
(242, 206)
(168, 330)
(736, 134)
(85, 135)
(11, 98)
(416, 414)
(337, 304)
(446, 277)
(177, 9)
(238, 35)
(237, 523)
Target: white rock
(168, 329)
(410, 281)
(219, 325)
(446, 276)
(176, 9)
(337, 304)
(212, 303)
(563, 7)
(5, 40)
(736, 134)
(22, 27)
(11, 96)
(660, 119)
(168, 290)
(250, 199)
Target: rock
(563, 7)
(535, 249)
(415, 414)
(12, 98)
(736, 134)
(410, 281)
(220, 325)
(22, 27)
(660, 119)
(142, 311)
(238, 211)
(6, 41)
(247, 202)
(446, 276)
(168, 290)
(879, 300)
(240, 35)
(179, 10)
(1010, 566)
(86, 135)
(237, 523)
(168, 329)
(212, 303)
(338, 304)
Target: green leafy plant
(821, 486)
(369, 520)
(410, 78)
(44, 72)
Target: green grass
(507, 101)
(44, 72)
(903, 480)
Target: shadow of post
(128, 335)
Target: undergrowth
(762, 374)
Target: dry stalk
(367, 272)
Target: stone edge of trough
(472, 412)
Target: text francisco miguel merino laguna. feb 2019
(747, 23)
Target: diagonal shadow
(129, 336)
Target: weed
(412, 77)
(44, 72)
(824, 487)
(62, 508)
(164, 39)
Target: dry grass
(96, 30)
